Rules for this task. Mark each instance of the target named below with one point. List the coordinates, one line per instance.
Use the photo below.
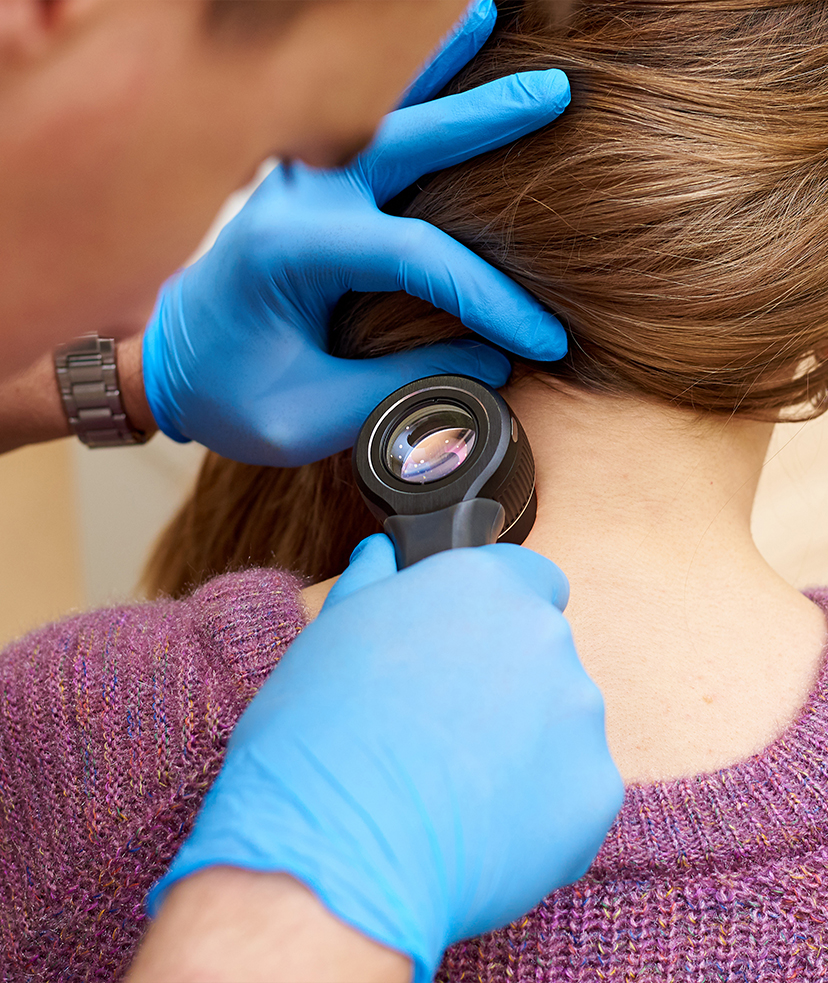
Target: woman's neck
(703, 653)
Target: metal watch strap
(88, 379)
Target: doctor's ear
(23, 24)
(27, 27)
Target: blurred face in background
(124, 124)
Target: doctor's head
(124, 124)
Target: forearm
(225, 925)
(31, 410)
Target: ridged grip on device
(516, 494)
(474, 523)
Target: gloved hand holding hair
(236, 354)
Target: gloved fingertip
(356, 551)
(477, 23)
(373, 559)
(458, 48)
(560, 591)
(538, 574)
(472, 358)
(377, 548)
(557, 586)
(480, 17)
(550, 88)
(557, 85)
(544, 340)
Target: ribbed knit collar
(774, 803)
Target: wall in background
(40, 559)
(125, 498)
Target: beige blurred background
(76, 524)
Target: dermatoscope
(444, 463)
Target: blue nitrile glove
(457, 49)
(428, 757)
(236, 353)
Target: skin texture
(315, 595)
(97, 97)
(647, 509)
(280, 931)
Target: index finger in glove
(371, 561)
(414, 256)
(421, 139)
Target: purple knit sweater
(112, 726)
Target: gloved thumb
(372, 560)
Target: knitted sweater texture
(113, 725)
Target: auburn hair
(674, 218)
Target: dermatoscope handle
(474, 523)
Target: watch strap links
(87, 376)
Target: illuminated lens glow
(431, 443)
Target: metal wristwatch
(88, 380)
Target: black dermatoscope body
(443, 463)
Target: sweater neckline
(772, 804)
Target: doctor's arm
(226, 924)
(426, 787)
(31, 410)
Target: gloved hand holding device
(429, 756)
(236, 354)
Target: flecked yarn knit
(112, 726)
(719, 877)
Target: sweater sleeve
(112, 727)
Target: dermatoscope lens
(431, 442)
